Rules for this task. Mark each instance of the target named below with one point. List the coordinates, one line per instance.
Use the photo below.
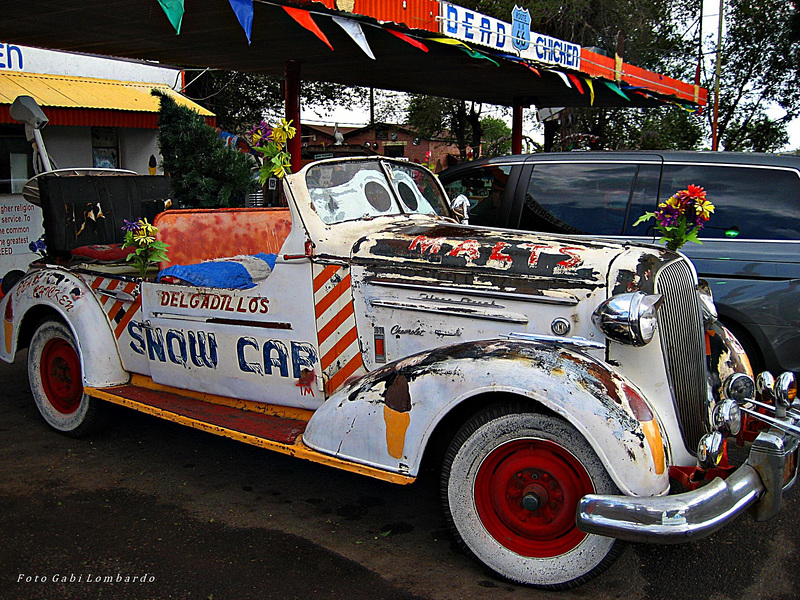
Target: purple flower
(130, 225)
(668, 216)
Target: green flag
(174, 11)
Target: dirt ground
(152, 510)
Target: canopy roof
(211, 36)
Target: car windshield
(351, 190)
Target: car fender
(386, 418)
(63, 292)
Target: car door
(588, 196)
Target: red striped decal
(332, 325)
(132, 310)
(339, 347)
(343, 374)
(343, 287)
(336, 326)
(324, 277)
(128, 289)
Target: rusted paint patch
(488, 251)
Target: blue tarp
(239, 272)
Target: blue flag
(244, 12)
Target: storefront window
(105, 148)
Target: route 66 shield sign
(521, 28)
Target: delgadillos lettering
(222, 302)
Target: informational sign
(514, 38)
(36, 60)
(20, 225)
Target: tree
(497, 137)
(203, 171)
(448, 119)
(760, 62)
(652, 33)
(663, 128)
(649, 27)
(241, 100)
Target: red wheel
(56, 378)
(61, 376)
(511, 483)
(526, 493)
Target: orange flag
(303, 17)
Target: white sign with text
(514, 38)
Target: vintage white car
(558, 384)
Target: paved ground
(183, 514)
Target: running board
(248, 422)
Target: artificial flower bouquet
(681, 217)
(141, 236)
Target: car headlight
(727, 417)
(707, 305)
(629, 318)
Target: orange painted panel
(195, 235)
(416, 14)
(597, 65)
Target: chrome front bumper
(769, 471)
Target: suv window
(578, 198)
(484, 188)
(751, 203)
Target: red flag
(304, 18)
(408, 39)
(576, 82)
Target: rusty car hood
(497, 257)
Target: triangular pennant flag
(591, 91)
(174, 11)
(615, 88)
(562, 75)
(244, 12)
(476, 54)
(303, 17)
(450, 42)
(577, 82)
(408, 39)
(353, 29)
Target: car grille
(680, 325)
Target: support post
(516, 128)
(292, 110)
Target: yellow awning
(65, 91)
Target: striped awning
(69, 100)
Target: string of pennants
(244, 9)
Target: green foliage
(242, 100)
(663, 128)
(141, 236)
(496, 136)
(447, 119)
(760, 64)
(203, 171)
(651, 29)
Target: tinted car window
(751, 203)
(484, 188)
(578, 198)
(645, 193)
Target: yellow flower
(147, 228)
(283, 131)
(282, 165)
(674, 202)
(704, 208)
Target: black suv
(751, 246)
